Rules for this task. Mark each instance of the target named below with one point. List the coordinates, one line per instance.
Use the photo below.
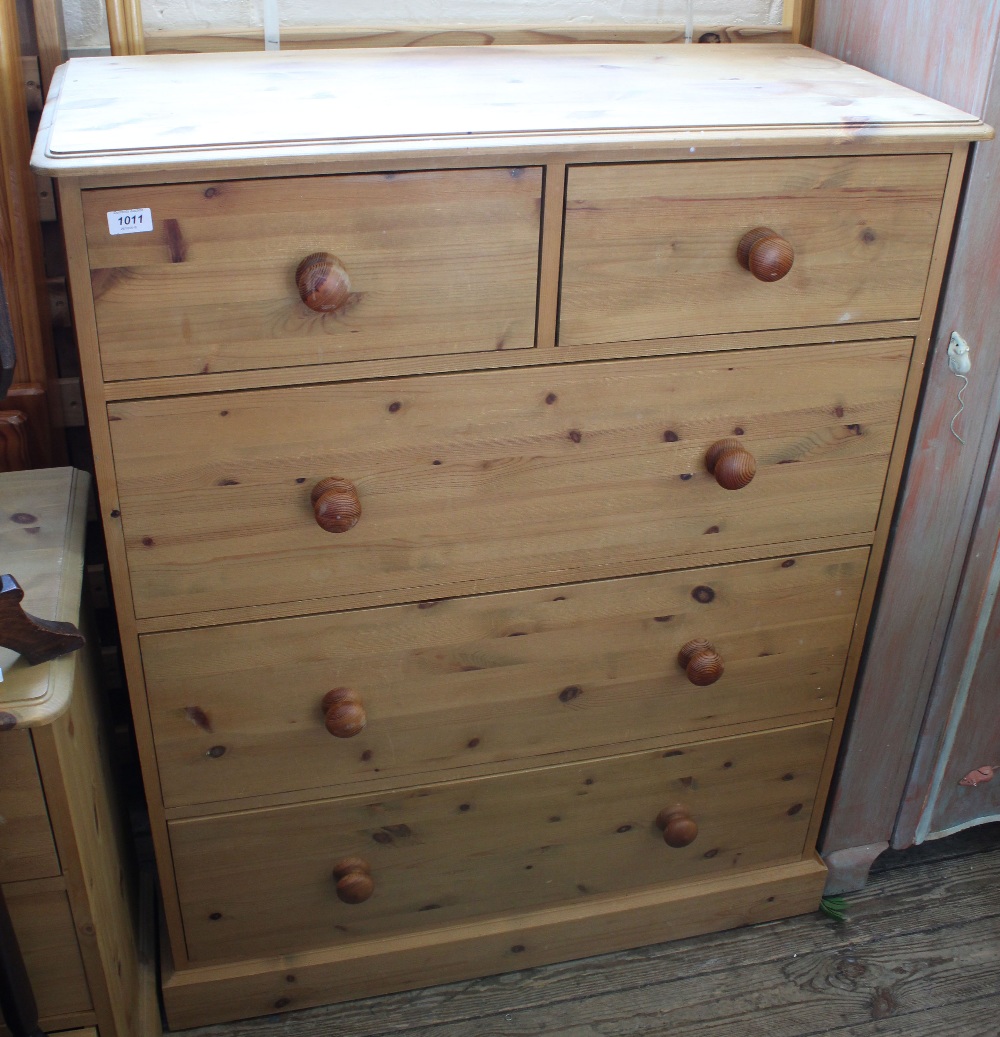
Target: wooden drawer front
(260, 882)
(650, 249)
(47, 938)
(438, 262)
(26, 847)
(237, 711)
(539, 475)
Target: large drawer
(27, 850)
(436, 262)
(523, 477)
(650, 249)
(238, 710)
(260, 882)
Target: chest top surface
(139, 113)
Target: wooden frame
(128, 36)
(50, 33)
(922, 643)
(26, 419)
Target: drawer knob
(701, 661)
(322, 282)
(765, 253)
(354, 880)
(679, 828)
(344, 713)
(335, 502)
(731, 463)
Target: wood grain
(47, 936)
(445, 853)
(50, 31)
(967, 719)
(212, 287)
(27, 850)
(925, 56)
(237, 710)
(223, 992)
(651, 249)
(125, 26)
(543, 354)
(544, 474)
(944, 482)
(97, 858)
(797, 977)
(79, 273)
(16, 447)
(615, 96)
(586, 471)
(159, 41)
(21, 265)
(31, 403)
(73, 766)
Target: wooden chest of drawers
(496, 475)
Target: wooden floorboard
(918, 956)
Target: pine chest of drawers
(496, 450)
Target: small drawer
(262, 882)
(27, 850)
(651, 250)
(417, 264)
(383, 693)
(520, 477)
(46, 936)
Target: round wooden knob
(322, 282)
(765, 253)
(336, 505)
(731, 463)
(702, 663)
(354, 880)
(679, 828)
(344, 713)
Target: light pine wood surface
(47, 937)
(447, 853)
(73, 905)
(915, 958)
(581, 472)
(544, 474)
(650, 249)
(523, 97)
(212, 287)
(27, 850)
(98, 862)
(489, 680)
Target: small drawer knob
(701, 661)
(344, 713)
(354, 880)
(679, 828)
(323, 283)
(336, 505)
(765, 253)
(731, 463)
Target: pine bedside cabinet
(496, 449)
(64, 859)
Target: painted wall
(86, 25)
